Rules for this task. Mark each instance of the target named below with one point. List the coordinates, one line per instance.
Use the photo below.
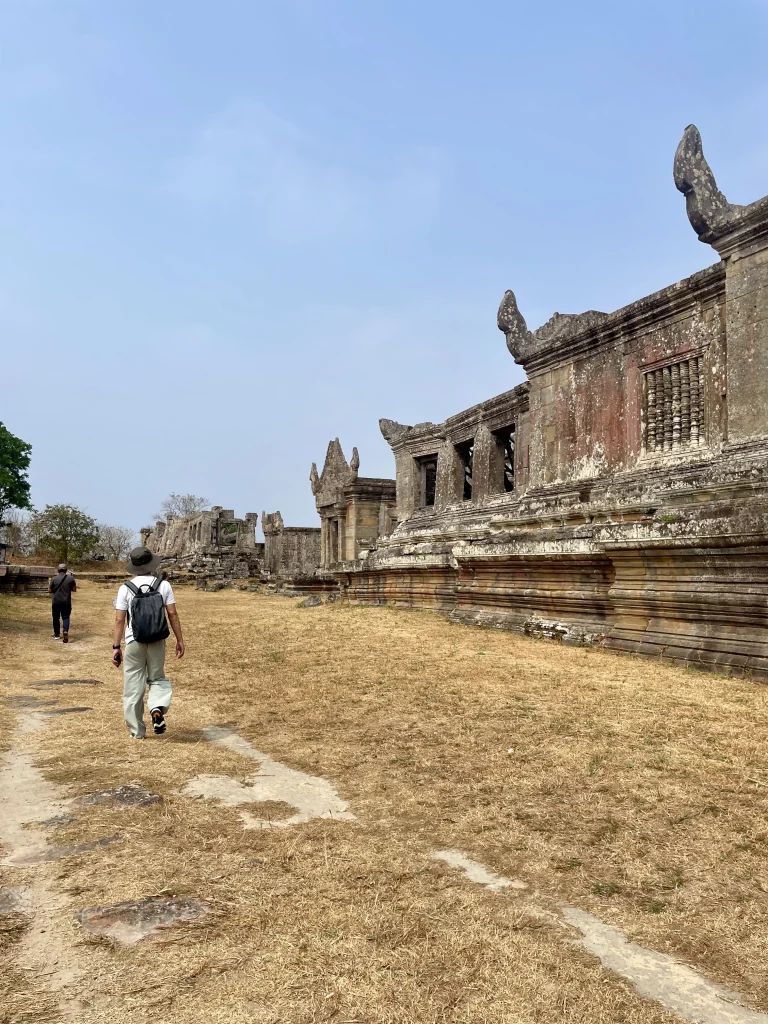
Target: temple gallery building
(618, 497)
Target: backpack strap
(132, 587)
(155, 586)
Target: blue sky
(231, 231)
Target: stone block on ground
(129, 795)
(130, 922)
(66, 682)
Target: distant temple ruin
(619, 497)
(212, 541)
(354, 510)
(22, 579)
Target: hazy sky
(231, 231)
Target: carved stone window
(502, 473)
(507, 439)
(674, 406)
(428, 480)
(466, 453)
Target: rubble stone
(213, 541)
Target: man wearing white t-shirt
(144, 664)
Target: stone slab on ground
(10, 899)
(66, 682)
(26, 702)
(129, 795)
(67, 711)
(477, 872)
(658, 976)
(130, 922)
(311, 795)
(58, 821)
(51, 853)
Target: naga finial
(511, 323)
(314, 478)
(354, 464)
(393, 431)
(708, 210)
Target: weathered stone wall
(637, 513)
(289, 551)
(25, 579)
(212, 541)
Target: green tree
(14, 462)
(65, 531)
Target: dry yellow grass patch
(630, 789)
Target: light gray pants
(144, 665)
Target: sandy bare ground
(600, 817)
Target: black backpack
(147, 613)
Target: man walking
(62, 586)
(141, 607)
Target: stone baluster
(659, 374)
(650, 411)
(685, 402)
(667, 415)
(695, 401)
(676, 404)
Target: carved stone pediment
(327, 486)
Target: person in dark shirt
(62, 586)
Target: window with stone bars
(466, 454)
(674, 406)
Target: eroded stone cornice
(573, 336)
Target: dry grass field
(625, 788)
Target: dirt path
(45, 953)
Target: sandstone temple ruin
(354, 510)
(618, 497)
(213, 541)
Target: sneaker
(55, 637)
(158, 720)
(135, 737)
(65, 638)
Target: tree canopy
(14, 463)
(65, 531)
(115, 541)
(180, 505)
